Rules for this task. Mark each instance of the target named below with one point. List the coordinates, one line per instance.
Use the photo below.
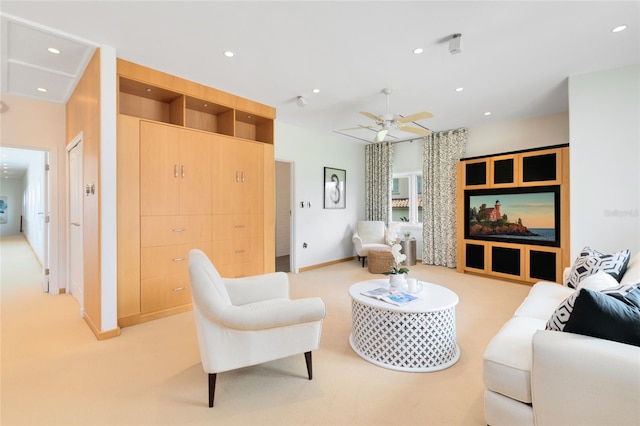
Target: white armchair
(248, 321)
(370, 234)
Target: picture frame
(335, 188)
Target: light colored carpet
(54, 371)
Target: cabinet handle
(175, 170)
(178, 288)
(178, 229)
(242, 177)
(237, 176)
(178, 259)
(238, 226)
(182, 171)
(240, 251)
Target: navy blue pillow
(614, 316)
(599, 315)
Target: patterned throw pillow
(562, 313)
(613, 316)
(592, 261)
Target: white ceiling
(515, 61)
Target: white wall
(41, 125)
(605, 160)
(535, 132)
(12, 190)
(33, 204)
(327, 232)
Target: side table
(409, 249)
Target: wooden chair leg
(212, 387)
(307, 358)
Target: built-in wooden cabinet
(534, 178)
(194, 173)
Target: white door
(47, 220)
(76, 261)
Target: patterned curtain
(378, 180)
(441, 153)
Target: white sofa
(534, 376)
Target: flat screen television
(528, 215)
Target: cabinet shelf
(154, 102)
(210, 117)
(151, 103)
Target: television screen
(523, 215)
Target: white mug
(412, 285)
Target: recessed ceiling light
(459, 89)
(41, 89)
(228, 54)
(54, 50)
(618, 29)
(487, 113)
(418, 50)
(316, 90)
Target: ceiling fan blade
(357, 128)
(371, 116)
(380, 136)
(422, 132)
(415, 117)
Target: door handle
(75, 224)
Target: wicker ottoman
(379, 261)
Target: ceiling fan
(388, 121)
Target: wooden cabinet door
(251, 193)
(237, 176)
(224, 176)
(159, 168)
(195, 173)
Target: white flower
(398, 260)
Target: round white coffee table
(417, 337)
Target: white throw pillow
(598, 282)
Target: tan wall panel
(128, 198)
(83, 115)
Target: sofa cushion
(591, 261)
(542, 300)
(614, 316)
(506, 365)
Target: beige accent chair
(247, 321)
(370, 234)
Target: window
(406, 198)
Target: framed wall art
(335, 188)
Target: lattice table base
(405, 341)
